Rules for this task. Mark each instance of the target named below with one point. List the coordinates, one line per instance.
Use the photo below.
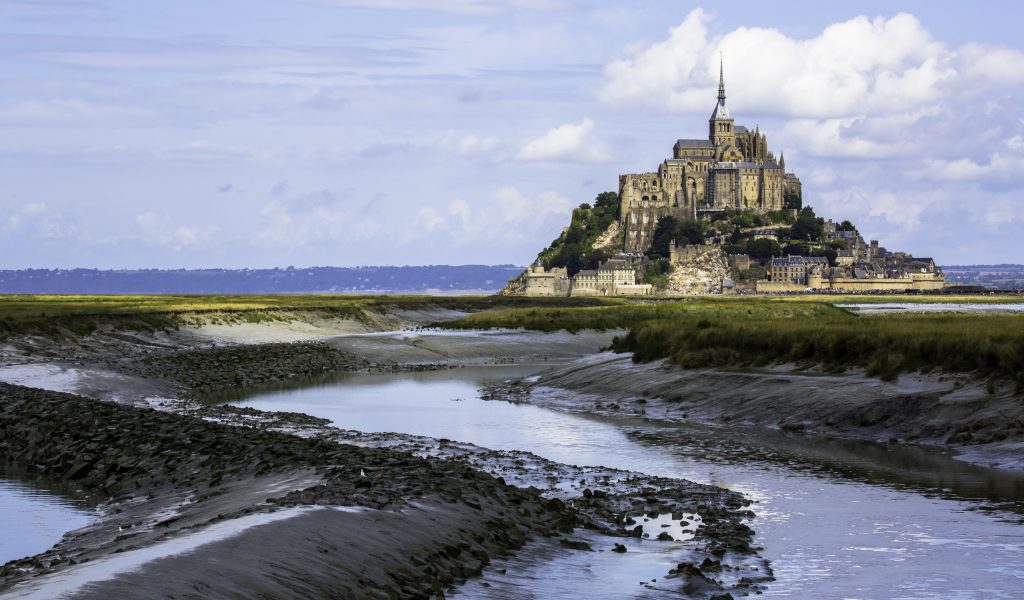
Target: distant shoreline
(423, 279)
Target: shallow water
(33, 518)
(838, 519)
(930, 307)
(70, 580)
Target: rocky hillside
(702, 275)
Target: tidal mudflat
(837, 518)
(366, 449)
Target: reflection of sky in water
(889, 307)
(827, 536)
(33, 520)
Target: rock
(576, 545)
(619, 548)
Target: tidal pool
(933, 307)
(838, 519)
(33, 518)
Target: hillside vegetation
(575, 248)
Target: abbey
(732, 168)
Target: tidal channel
(836, 518)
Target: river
(837, 519)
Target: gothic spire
(721, 79)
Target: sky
(271, 133)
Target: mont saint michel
(511, 300)
(720, 216)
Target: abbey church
(732, 168)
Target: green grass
(58, 315)
(805, 330)
(733, 331)
(622, 314)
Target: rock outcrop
(701, 275)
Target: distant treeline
(996, 277)
(406, 279)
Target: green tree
(594, 259)
(569, 256)
(664, 233)
(607, 200)
(807, 226)
(689, 231)
(827, 253)
(574, 235)
(797, 248)
(846, 226)
(763, 249)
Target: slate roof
(721, 112)
(798, 261)
(694, 144)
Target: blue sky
(263, 133)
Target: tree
(690, 231)
(763, 249)
(807, 226)
(574, 235)
(664, 233)
(594, 259)
(798, 248)
(607, 200)
(827, 253)
(568, 256)
(846, 226)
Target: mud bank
(165, 474)
(980, 425)
(333, 513)
(397, 516)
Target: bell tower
(720, 127)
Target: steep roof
(721, 112)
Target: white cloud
(470, 144)
(428, 219)
(504, 215)
(999, 166)
(159, 230)
(856, 67)
(570, 143)
(16, 219)
(308, 220)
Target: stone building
(546, 282)
(731, 169)
(614, 277)
(796, 269)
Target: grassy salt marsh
(759, 331)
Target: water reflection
(906, 467)
(34, 516)
(838, 519)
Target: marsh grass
(988, 345)
(744, 332)
(55, 315)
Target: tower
(720, 126)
